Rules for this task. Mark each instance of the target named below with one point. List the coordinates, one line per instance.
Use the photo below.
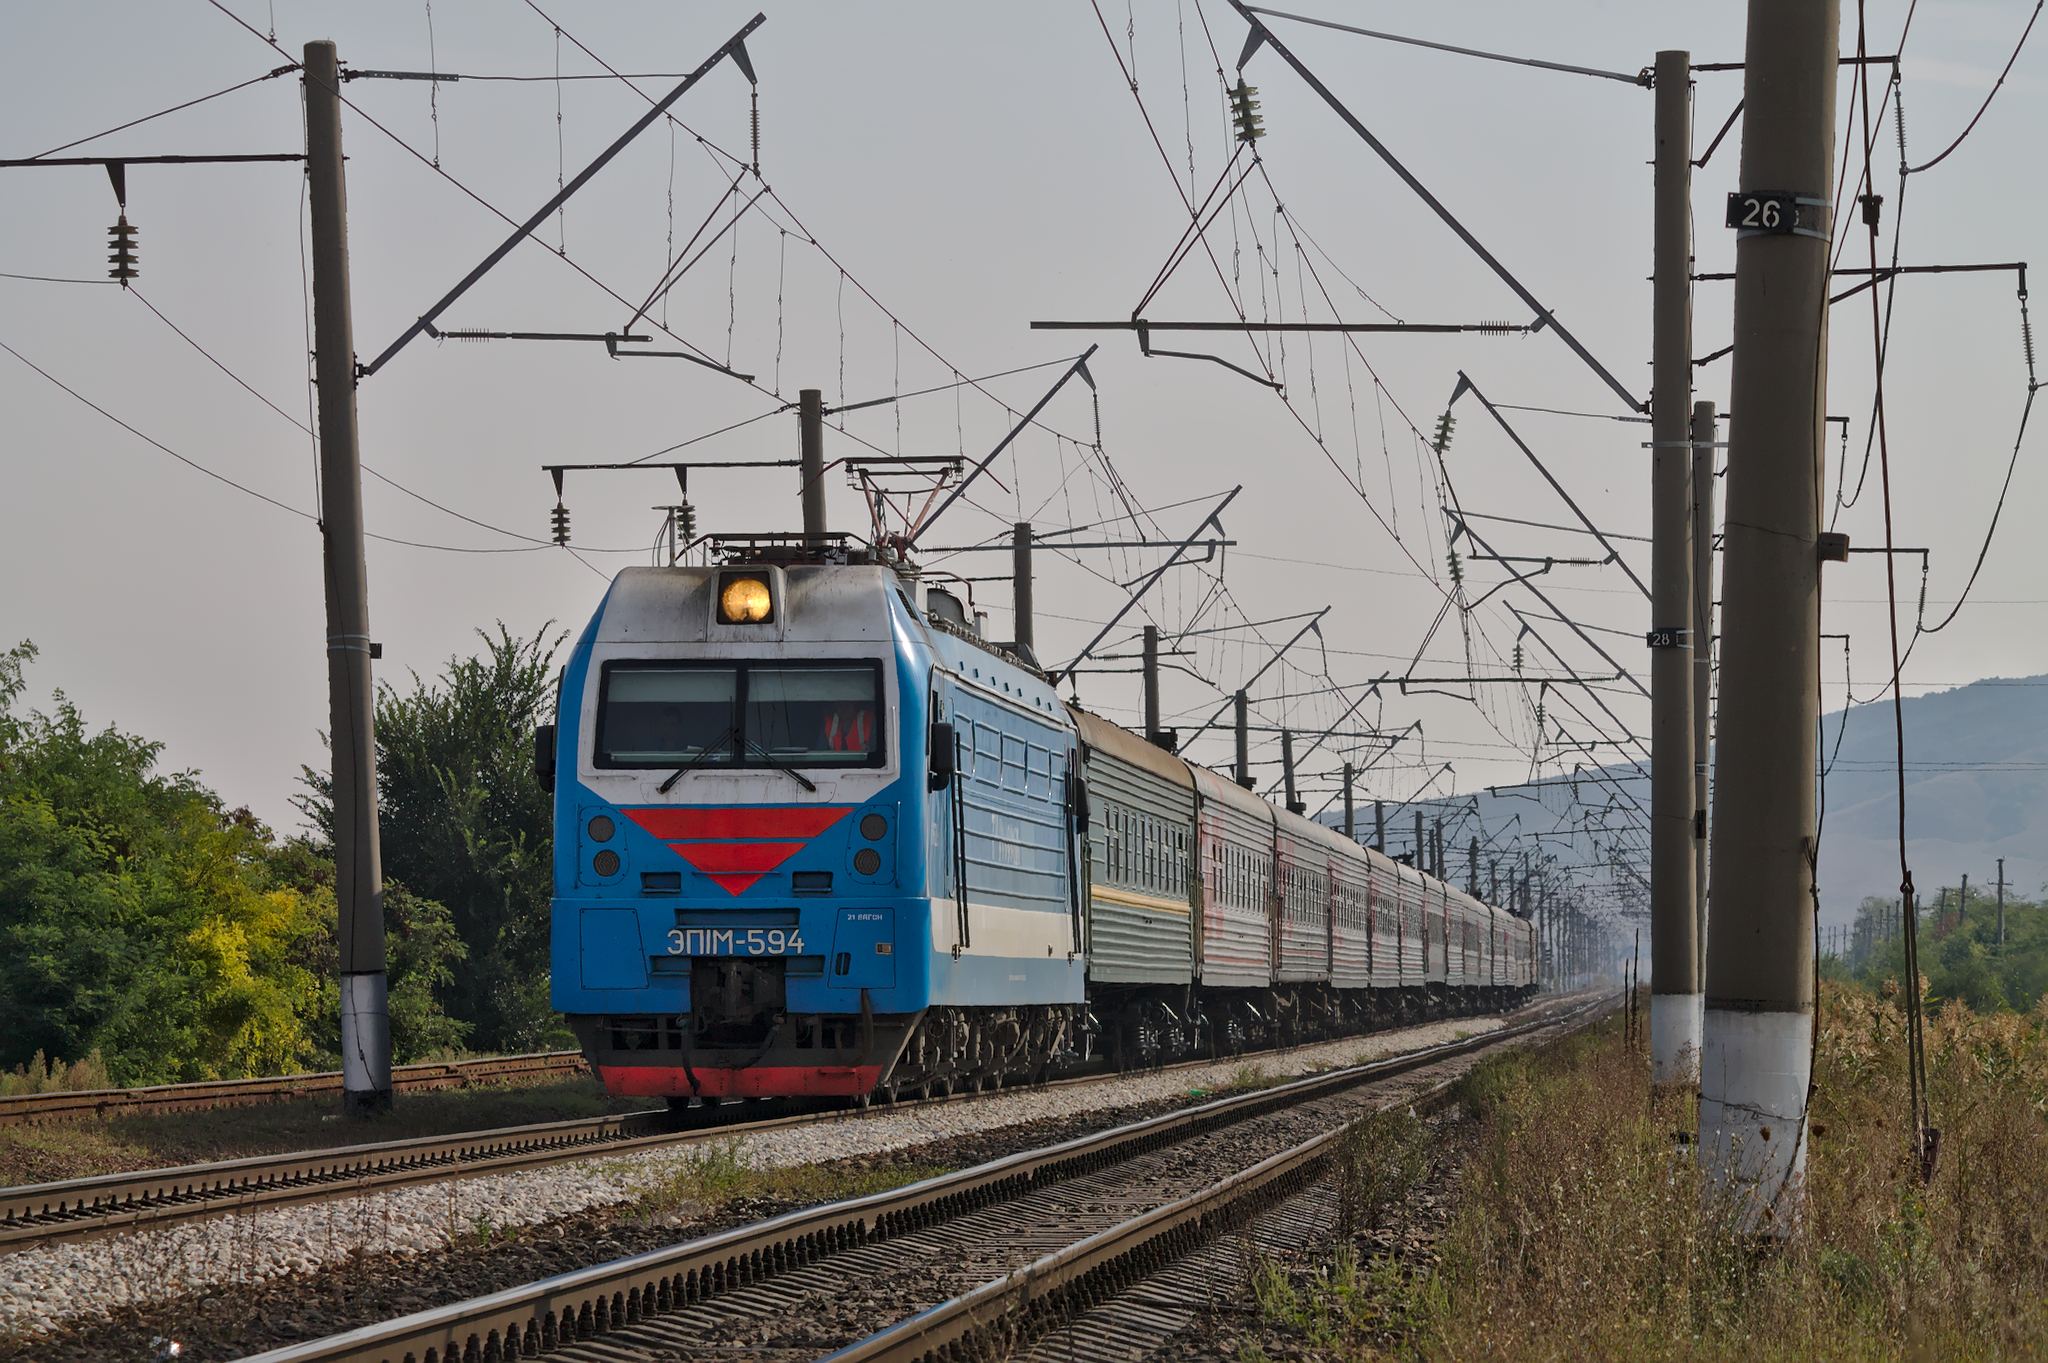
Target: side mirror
(544, 757)
(941, 756)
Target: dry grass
(54, 1076)
(1584, 1232)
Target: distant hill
(1976, 790)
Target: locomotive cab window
(658, 713)
(655, 715)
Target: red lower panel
(782, 1081)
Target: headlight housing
(744, 599)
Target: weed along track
(964, 1249)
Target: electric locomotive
(815, 836)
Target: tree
(1960, 955)
(422, 945)
(142, 919)
(463, 822)
(138, 917)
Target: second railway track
(951, 1260)
(86, 1208)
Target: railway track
(86, 1208)
(978, 1261)
(18, 1108)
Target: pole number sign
(1666, 637)
(1777, 211)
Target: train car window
(988, 754)
(654, 716)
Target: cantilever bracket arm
(1465, 385)
(1146, 347)
(1372, 689)
(1213, 518)
(1080, 367)
(1262, 36)
(611, 345)
(1278, 653)
(735, 47)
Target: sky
(937, 177)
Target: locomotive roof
(821, 603)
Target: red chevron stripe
(670, 822)
(736, 865)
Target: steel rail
(1000, 1316)
(81, 1209)
(35, 1107)
(108, 1204)
(562, 1311)
(979, 1324)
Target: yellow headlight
(744, 601)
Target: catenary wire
(52, 279)
(270, 75)
(1995, 88)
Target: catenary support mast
(1024, 633)
(1755, 1058)
(810, 420)
(1150, 664)
(358, 867)
(1702, 656)
(1243, 772)
(1674, 968)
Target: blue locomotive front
(813, 837)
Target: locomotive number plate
(734, 942)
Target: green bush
(145, 923)
(464, 823)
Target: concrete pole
(1379, 826)
(810, 418)
(1294, 806)
(1350, 824)
(351, 700)
(1151, 683)
(1421, 846)
(2001, 901)
(1756, 1063)
(1020, 586)
(1703, 427)
(1674, 948)
(1244, 741)
(1963, 901)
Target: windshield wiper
(792, 773)
(691, 765)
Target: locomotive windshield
(668, 714)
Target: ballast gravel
(43, 1289)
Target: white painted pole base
(1754, 1073)
(365, 1044)
(1675, 1038)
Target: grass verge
(1583, 1229)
